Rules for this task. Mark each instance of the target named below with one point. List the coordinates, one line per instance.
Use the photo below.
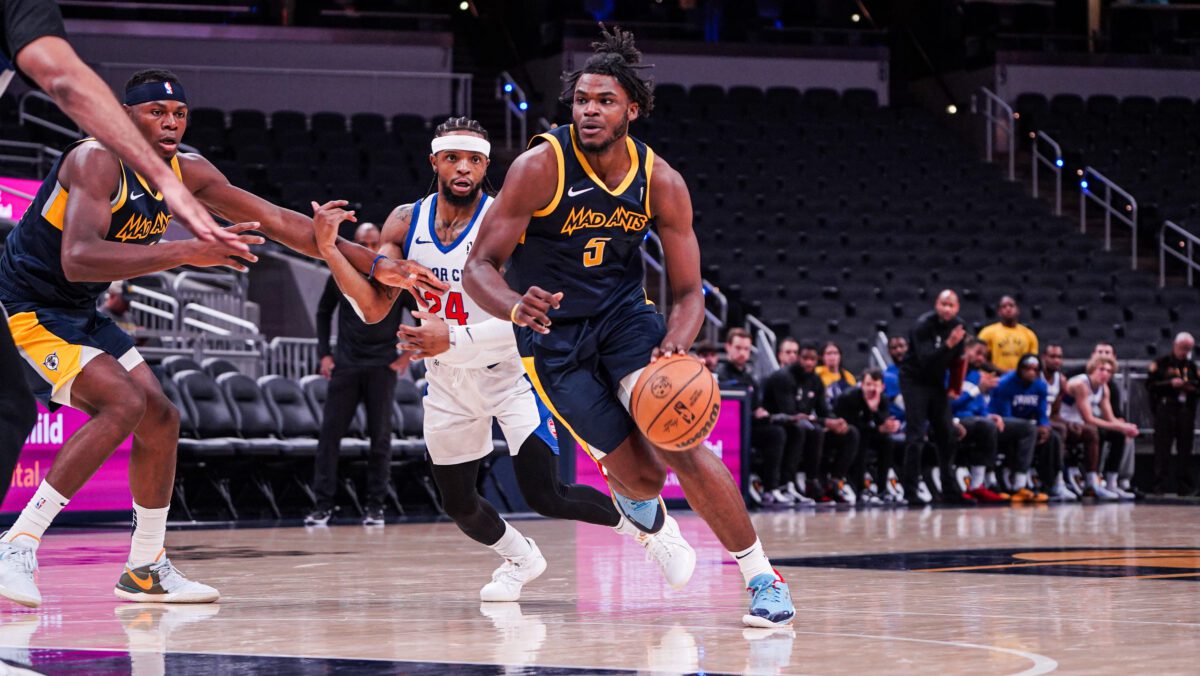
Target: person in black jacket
(797, 393)
(1174, 391)
(935, 347)
(865, 409)
(363, 371)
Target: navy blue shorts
(577, 368)
(56, 343)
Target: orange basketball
(675, 403)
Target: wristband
(512, 314)
(452, 334)
(371, 274)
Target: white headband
(464, 142)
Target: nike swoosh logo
(571, 192)
(468, 330)
(134, 196)
(146, 584)
(739, 558)
(424, 241)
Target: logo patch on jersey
(138, 227)
(582, 217)
(572, 192)
(550, 426)
(51, 361)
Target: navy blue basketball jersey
(31, 267)
(586, 242)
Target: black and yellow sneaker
(161, 582)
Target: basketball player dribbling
(475, 374)
(573, 213)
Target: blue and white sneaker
(647, 516)
(770, 602)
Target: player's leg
(536, 467)
(149, 575)
(18, 409)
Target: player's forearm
(687, 316)
(490, 334)
(369, 301)
(486, 286)
(105, 261)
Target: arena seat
(177, 364)
(316, 390)
(215, 366)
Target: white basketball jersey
(1095, 396)
(447, 261)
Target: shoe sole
(166, 598)
(374, 523)
(764, 623)
(506, 599)
(27, 601)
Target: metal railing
(1127, 215)
(292, 358)
(26, 117)
(1186, 241)
(36, 155)
(1054, 164)
(221, 291)
(716, 320)
(544, 125)
(879, 352)
(153, 310)
(656, 261)
(765, 344)
(999, 116)
(516, 107)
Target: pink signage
(725, 441)
(107, 490)
(12, 206)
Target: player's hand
(221, 252)
(533, 310)
(189, 213)
(1043, 434)
(327, 218)
(1131, 430)
(761, 413)
(891, 426)
(326, 369)
(960, 431)
(956, 335)
(429, 339)
(997, 421)
(412, 277)
(669, 348)
(1177, 383)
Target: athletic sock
(1020, 480)
(45, 504)
(512, 545)
(752, 561)
(149, 533)
(1110, 480)
(978, 476)
(1093, 478)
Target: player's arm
(89, 173)
(1105, 421)
(671, 206)
(36, 35)
(529, 186)
(372, 301)
(293, 229)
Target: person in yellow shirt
(1008, 339)
(836, 379)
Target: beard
(618, 134)
(460, 200)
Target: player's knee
(544, 500)
(127, 409)
(161, 415)
(460, 507)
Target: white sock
(752, 561)
(801, 481)
(978, 476)
(149, 533)
(1020, 480)
(1110, 480)
(1059, 480)
(45, 504)
(1093, 478)
(512, 545)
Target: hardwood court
(1103, 589)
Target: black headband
(155, 91)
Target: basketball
(676, 402)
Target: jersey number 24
(454, 306)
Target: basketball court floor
(1098, 589)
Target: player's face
(977, 355)
(1029, 372)
(1102, 374)
(460, 173)
(738, 351)
(808, 360)
(601, 112)
(788, 353)
(872, 388)
(1052, 360)
(897, 348)
(1008, 310)
(162, 123)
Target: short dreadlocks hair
(615, 55)
(460, 124)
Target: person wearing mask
(797, 393)
(364, 371)
(865, 408)
(1019, 402)
(1087, 405)
(777, 443)
(1174, 390)
(935, 348)
(1008, 339)
(836, 379)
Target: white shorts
(461, 404)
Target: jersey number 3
(454, 306)
(593, 253)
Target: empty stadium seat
(215, 366)
(177, 364)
